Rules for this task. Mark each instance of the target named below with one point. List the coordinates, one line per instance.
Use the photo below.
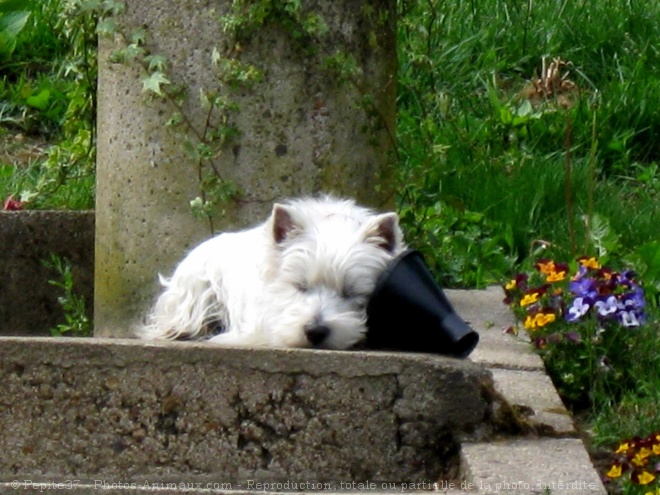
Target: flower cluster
(547, 298)
(640, 457)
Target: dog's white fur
(301, 279)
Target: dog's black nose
(316, 333)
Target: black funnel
(409, 312)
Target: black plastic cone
(408, 311)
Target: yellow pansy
(644, 478)
(641, 457)
(615, 471)
(556, 276)
(589, 263)
(623, 448)
(529, 299)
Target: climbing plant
(206, 139)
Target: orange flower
(556, 276)
(546, 267)
(589, 262)
(542, 319)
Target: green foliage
(462, 248)
(481, 129)
(12, 21)
(247, 17)
(646, 260)
(75, 318)
(51, 92)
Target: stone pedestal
(320, 118)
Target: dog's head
(327, 256)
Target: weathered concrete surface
(533, 397)
(28, 303)
(485, 310)
(527, 466)
(518, 371)
(127, 411)
(145, 488)
(302, 130)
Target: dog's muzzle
(316, 333)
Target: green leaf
(113, 7)
(138, 37)
(155, 62)
(107, 27)
(153, 83)
(7, 6)
(175, 120)
(11, 24)
(603, 239)
(215, 57)
(6, 170)
(40, 100)
(204, 99)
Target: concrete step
(117, 412)
(128, 410)
(547, 465)
(145, 488)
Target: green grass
(47, 95)
(461, 63)
(471, 144)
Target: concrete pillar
(304, 128)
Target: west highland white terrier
(301, 279)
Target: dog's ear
(283, 224)
(384, 231)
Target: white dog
(301, 279)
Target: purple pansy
(631, 318)
(579, 308)
(583, 287)
(606, 306)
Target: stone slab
(130, 410)
(490, 317)
(533, 397)
(524, 466)
(28, 303)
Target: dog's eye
(301, 287)
(356, 298)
